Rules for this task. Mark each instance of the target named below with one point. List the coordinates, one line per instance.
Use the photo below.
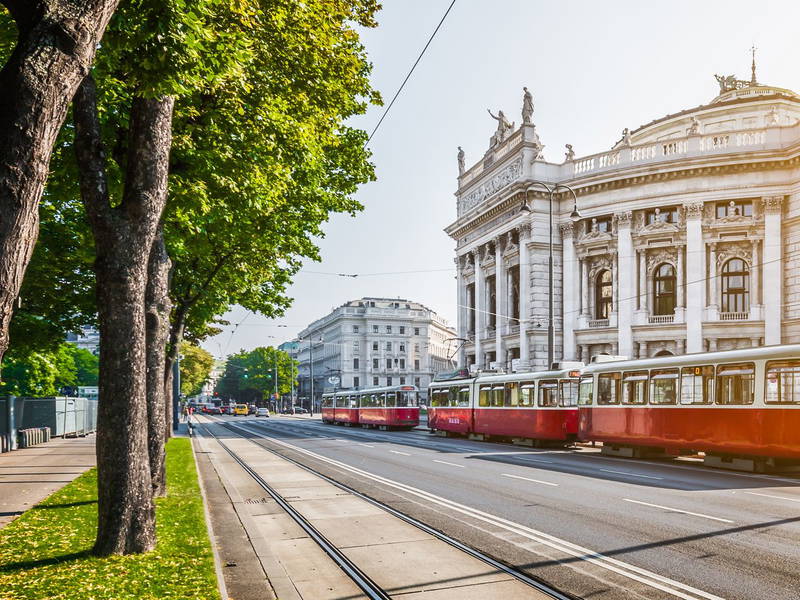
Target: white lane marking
(398, 452)
(444, 462)
(529, 479)
(659, 582)
(679, 510)
(771, 496)
(631, 474)
(541, 460)
(366, 445)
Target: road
(592, 526)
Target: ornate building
(688, 237)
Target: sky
(593, 68)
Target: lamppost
(575, 215)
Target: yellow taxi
(240, 409)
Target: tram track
(359, 577)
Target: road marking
(444, 462)
(631, 474)
(678, 510)
(659, 582)
(398, 452)
(541, 460)
(529, 479)
(366, 445)
(771, 496)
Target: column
(694, 277)
(642, 349)
(480, 307)
(773, 269)
(500, 294)
(643, 281)
(713, 280)
(463, 316)
(568, 291)
(524, 295)
(755, 288)
(626, 298)
(585, 288)
(680, 285)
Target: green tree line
(256, 375)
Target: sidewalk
(29, 475)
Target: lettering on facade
(508, 175)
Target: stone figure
(570, 154)
(694, 127)
(527, 106)
(726, 83)
(772, 117)
(626, 137)
(503, 126)
(460, 161)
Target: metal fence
(64, 417)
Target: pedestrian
(185, 413)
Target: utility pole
(311, 368)
(276, 374)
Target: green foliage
(45, 373)
(87, 367)
(45, 553)
(251, 375)
(196, 365)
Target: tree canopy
(196, 365)
(251, 376)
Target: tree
(196, 365)
(55, 45)
(251, 376)
(45, 372)
(86, 367)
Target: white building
(689, 237)
(374, 341)
(87, 339)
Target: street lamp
(575, 215)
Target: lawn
(45, 553)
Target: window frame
(707, 399)
(616, 377)
(587, 381)
(545, 389)
(635, 377)
(735, 299)
(665, 287)
(665, 374)
(603, 304)
(720, 380)
(787, 362)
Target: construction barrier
(31, 437)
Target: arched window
(603, 291)
(735, 286)
(664, 290)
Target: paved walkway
(29, 475)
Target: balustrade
(734, 316)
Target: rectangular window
(355, 328)
(416, 330)
(498, 395)
(416, 364)
(586, 391)
(356, 382)
(355, 363)
(783, 382)
(416, 381)
(668, 214)
(374, 346)
(402, 330)
(402, 347)
(388, 346)
(375, 363)
(548, 393)
(485, 395)
(463, 397)
(402, 381)
(527, 391)
(439, 397)
(736, 208)
(388, 329)
(374, 329)
(634, 387)
(388, 381)
(374, 381)
(600, 224)
(736, 384)
(663, 386)
(569, 392)
(608, 388)
(512, 394)
(389, 399)
(697, 385)
(388, 363)
(402, 363)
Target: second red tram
(395, 407)
(541, 407)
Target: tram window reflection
(527, 390)
(585, 391)
(452, 396)
(484, 397)
(439, 397)
(569, 392)
(736, 384)
(498, 395)
(608, 388)
(663, 386)
(634, 387)
(463, 397)
(697, 385)
(783, 382)
(548, 393)
(512, 394)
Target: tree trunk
(157, 309)
(124, 236)
(176, 330)
(55, 49)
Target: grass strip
(46, 552)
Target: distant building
(87, 339)
(371, 342)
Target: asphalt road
(596, 527)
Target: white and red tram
(538, 406)
(384, 407)
(730, 403)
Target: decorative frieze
(772, 204)
(506, 176)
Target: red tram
(737, 403)
(385, 407)
(536, 407)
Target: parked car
(262, 412)
(212, 410)
(251, 409)
(240, 410)
(299, 410)
(227, 409)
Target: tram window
(452, 396)
(498, 395)
(527, 391)
(326, 402)
(663, 386)
(512, 394)
(783, 382)
(548, 393)
(484, 397)
(608, 388)
(736, 384)
(634, 387)
(697, 385)
(585, 391)
(439, 397)
(389, 399)
(353, 401)
(569, 392)
(463, 396)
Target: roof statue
(503, 127)
(527, 106)
(694, 128)
(460, 161)
(569, 155)
(728, 83)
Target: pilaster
(695, 283)
(773, 269)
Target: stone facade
(374, 341)
(688, 238)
